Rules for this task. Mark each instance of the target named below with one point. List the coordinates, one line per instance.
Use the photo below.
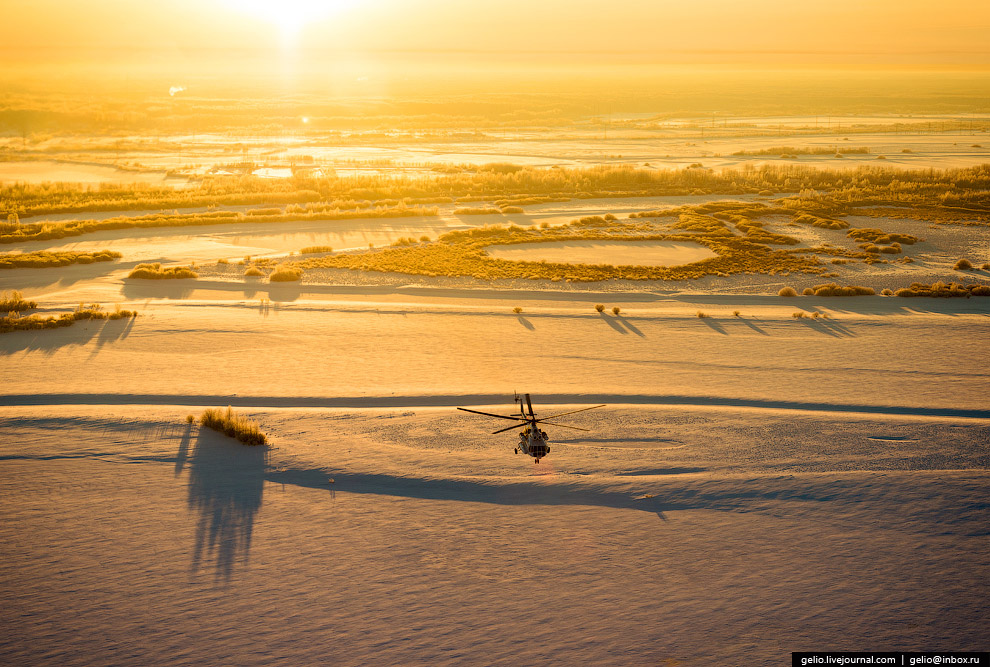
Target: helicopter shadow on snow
(611, 442)
(656, 472)
(516, 493)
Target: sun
(290, 16)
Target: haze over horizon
(768, 32)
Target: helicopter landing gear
(537, 460)
(515, 450)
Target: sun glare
(290, 15)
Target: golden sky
(848, 31)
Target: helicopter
(533, 441)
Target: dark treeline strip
(958, 196)
(792, 150)
(864, 185)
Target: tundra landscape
(244, 293)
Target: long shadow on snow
(846, 500)
(49, 341)
(137, 289)
(226, 483)
(513, 493)
(856, 305)
(630, 326)
(450, 400)
(613, 323)
(714, 326)
(59, 276)
(111, 332)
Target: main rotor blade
(509, 428)
(570, 413)
(529, 404)
(565, 426)
(489, 414)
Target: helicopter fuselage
(534, 442)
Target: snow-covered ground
(870, 351)
(691, 536)
(757, 484)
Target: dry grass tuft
(254, 271)
(944, 290)
(190, 419)
(963, 265)
(233, 425)
(285, 274)
(315, 249)
(517, 310)
(44, 259)
(702, 314)
(787, 291)
(616, 310)
(15, 302)
(477, 211)
(157, 272)
(600, 307)
(873, 235)
(833, 289)
(94, 311)
(818, 221)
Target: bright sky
(878, 31)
